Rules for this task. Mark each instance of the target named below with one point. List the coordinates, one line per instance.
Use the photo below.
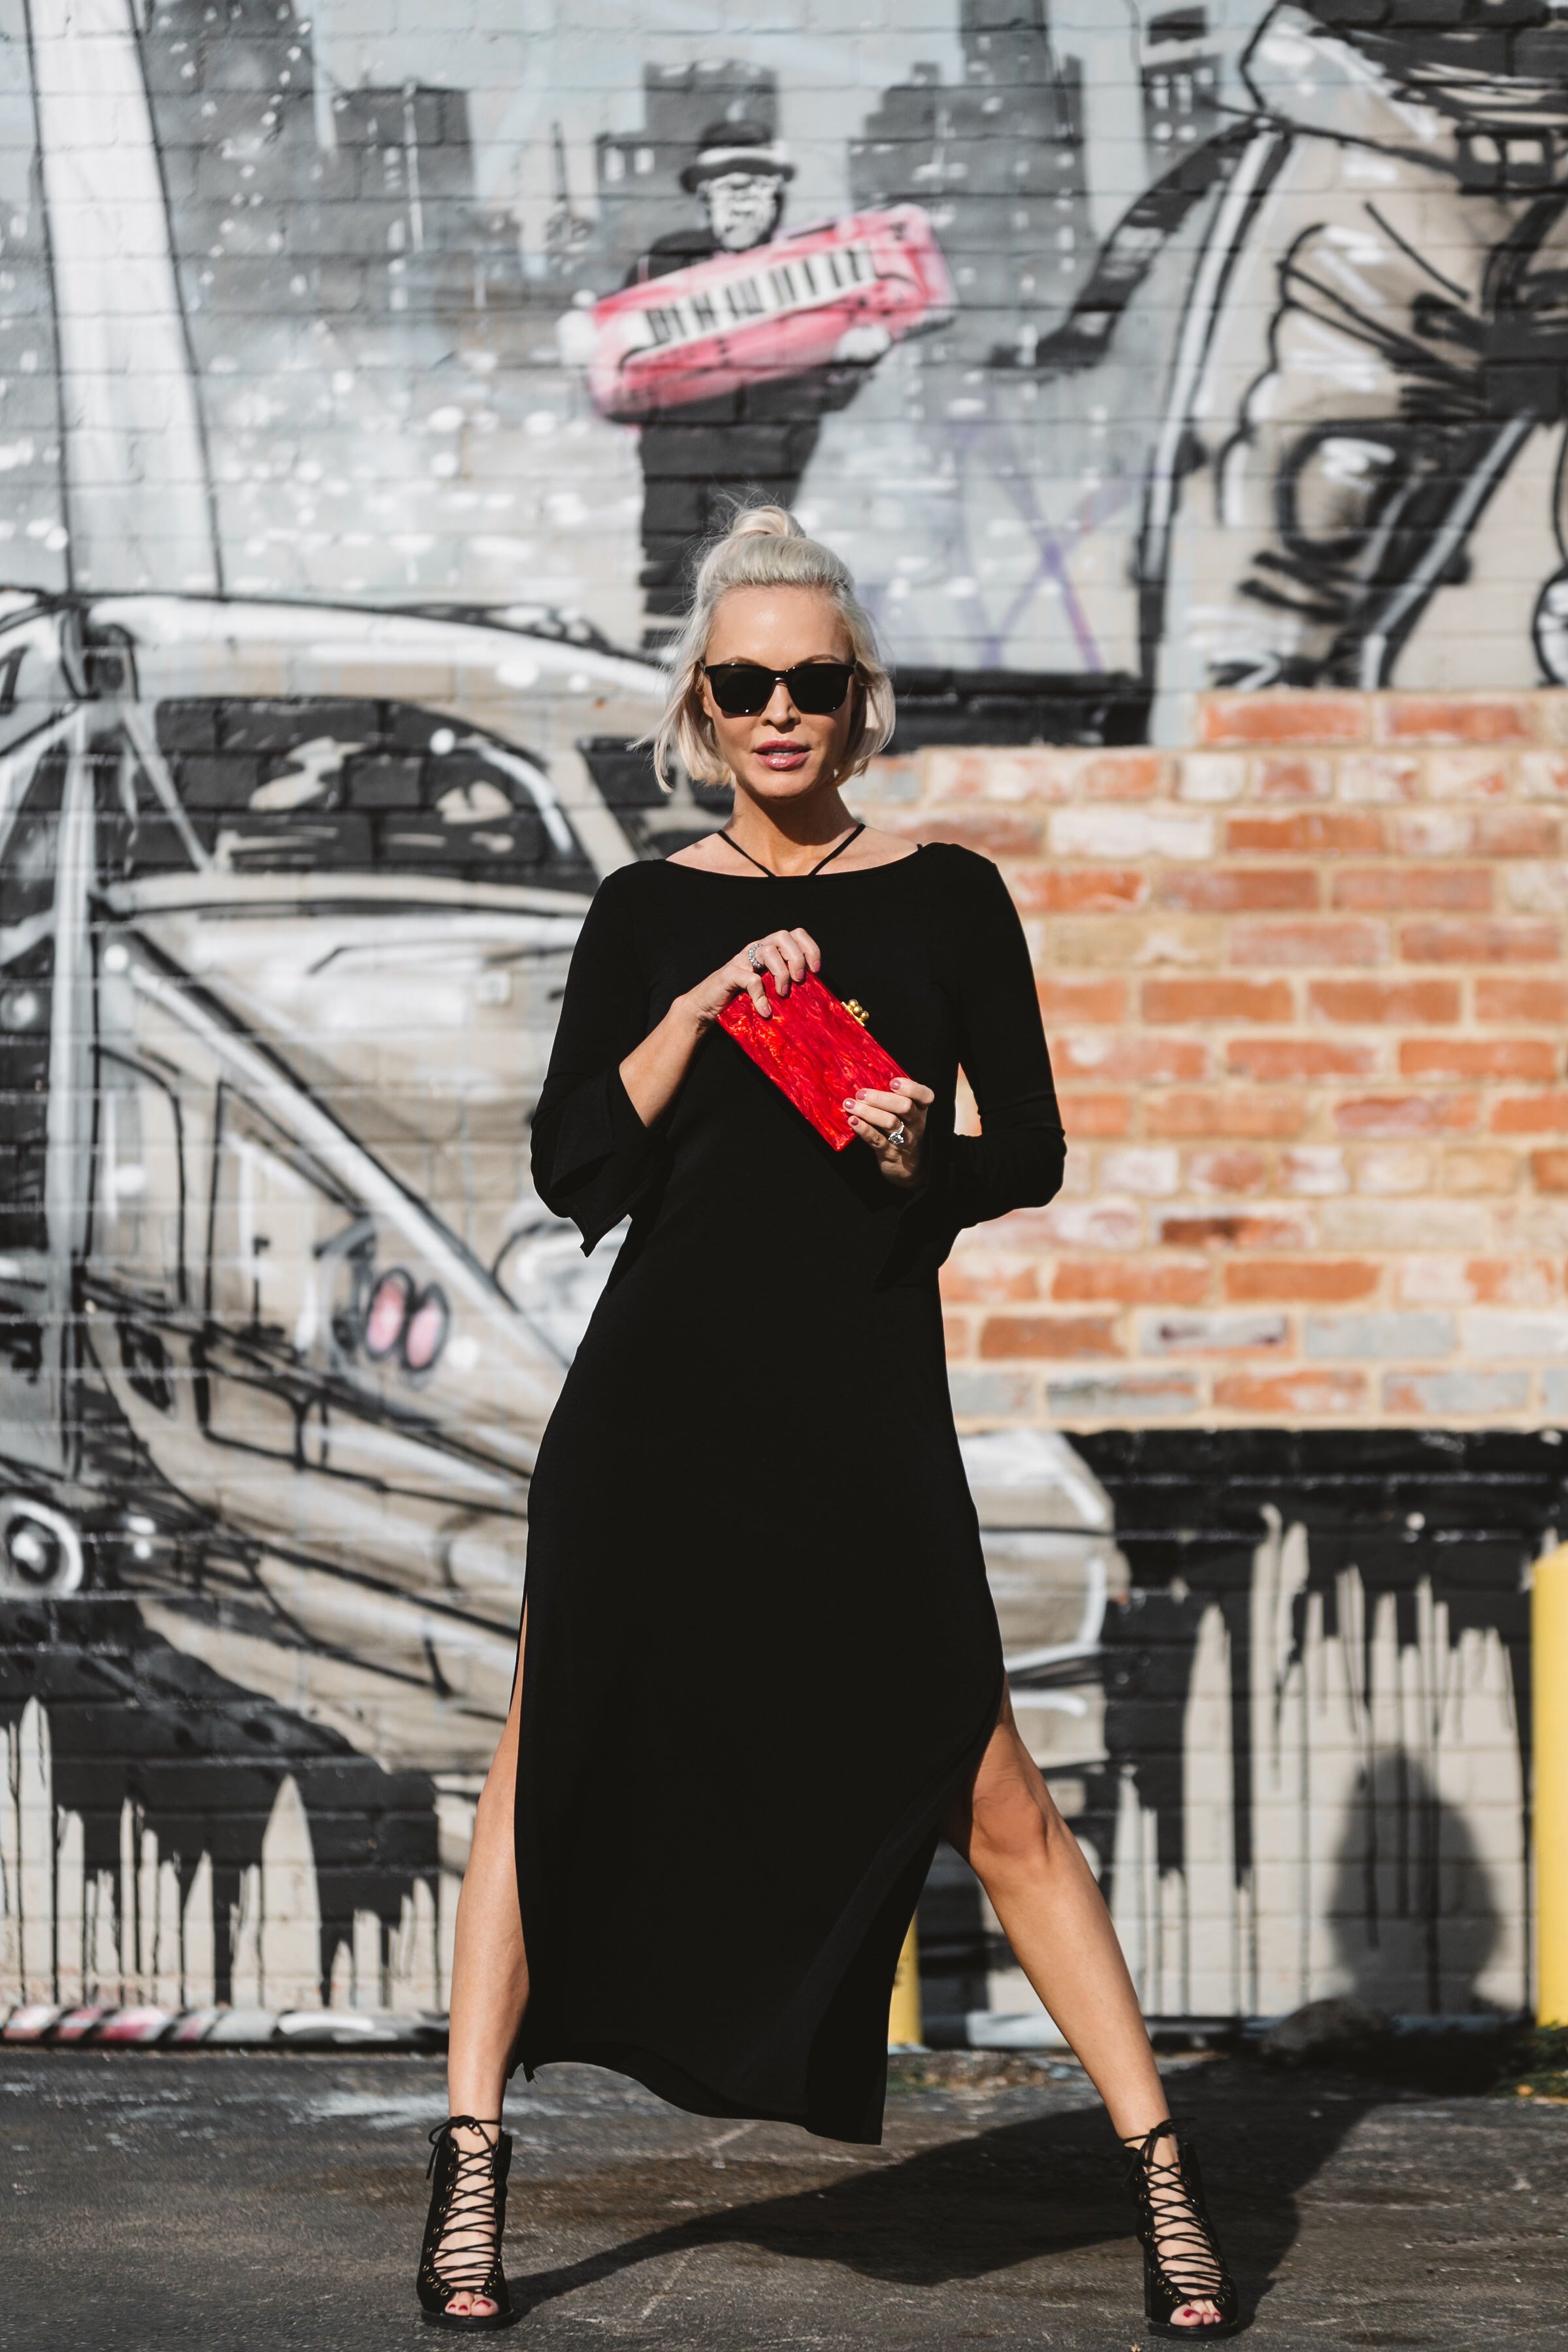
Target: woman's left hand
(894, 1127)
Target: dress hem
(682, 2087)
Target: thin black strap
(834, 853)
(725, 834)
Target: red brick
(978, 1278)
(1227, 1172)
(1379, 777)
(1278, 779)
(1274, 1058)
(1290, 1392)
(1441, 1396)
(1085, 1115)
(1282, 718)
(1071, 1223)
(1277, 1279)
(1262, 1231)
(957, 1334)
(1366, 888)
(1416, 1004)
(1217, 1000)
(1075, 890)
(995, 832)
(1324, 833)
(1512, 1281)
(1455, 719)
(1478, 1057)
(1129, 1055)
(1123, 776)
(1240, 1113)
(1048, 1335)
(1082, 1000)
(1545, 1001)
(1530, 1114)
(1468, 775)
(1404, 1114)
(1237, 890)
(1495, 942)
(1549, 1171)
(1146, 1281)
(1334, 944)
(1515, 832)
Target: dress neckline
(845, 873)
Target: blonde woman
(759, 1672)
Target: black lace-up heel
(1182, 2260)
(469, 2193)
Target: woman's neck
(791, 847)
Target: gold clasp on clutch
(859, 1011)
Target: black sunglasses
(743, 690)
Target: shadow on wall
(1414, 1919)
(1318, 1714)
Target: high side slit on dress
(761, 1653)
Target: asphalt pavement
(247, 2202)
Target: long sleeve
(1016, 1160)
(592, 1156)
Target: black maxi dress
(762, 1656)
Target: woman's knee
(1012, 1820)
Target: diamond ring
(755, 959)
(897, 1134)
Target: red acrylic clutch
(815, 1049)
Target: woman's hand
(894, 1125)
(788, 955)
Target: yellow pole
(1549, 1672)
(904, 2023)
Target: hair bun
(765, 523)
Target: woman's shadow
(1015, 2192)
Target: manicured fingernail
(846, 1104)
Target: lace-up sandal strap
(1175, 2226)
(457, 2123)
(468, 2205)
(1141, 2146)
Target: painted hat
(727, 147)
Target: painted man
(1377, 323)
(696, 459)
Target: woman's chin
(782, 783)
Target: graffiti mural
(364, 396)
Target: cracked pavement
(267, 2200)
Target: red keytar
(816, 1051)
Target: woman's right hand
(788, 955)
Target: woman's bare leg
(490, 1965)
(1042, 1890)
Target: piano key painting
(772, 312)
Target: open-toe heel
(1182, 2260)
(467, 2200)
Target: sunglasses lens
(820, 686)
(744, 689)
(740, 689)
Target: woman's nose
(780, 710)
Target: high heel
(1182, 2260)
(468, 2192)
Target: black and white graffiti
(364, 396)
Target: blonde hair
(764, 547)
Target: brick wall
(1305, 988)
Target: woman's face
(783, 754)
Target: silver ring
(897, 1134)
(756, 962)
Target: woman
(759, 1671)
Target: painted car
(287, 895)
